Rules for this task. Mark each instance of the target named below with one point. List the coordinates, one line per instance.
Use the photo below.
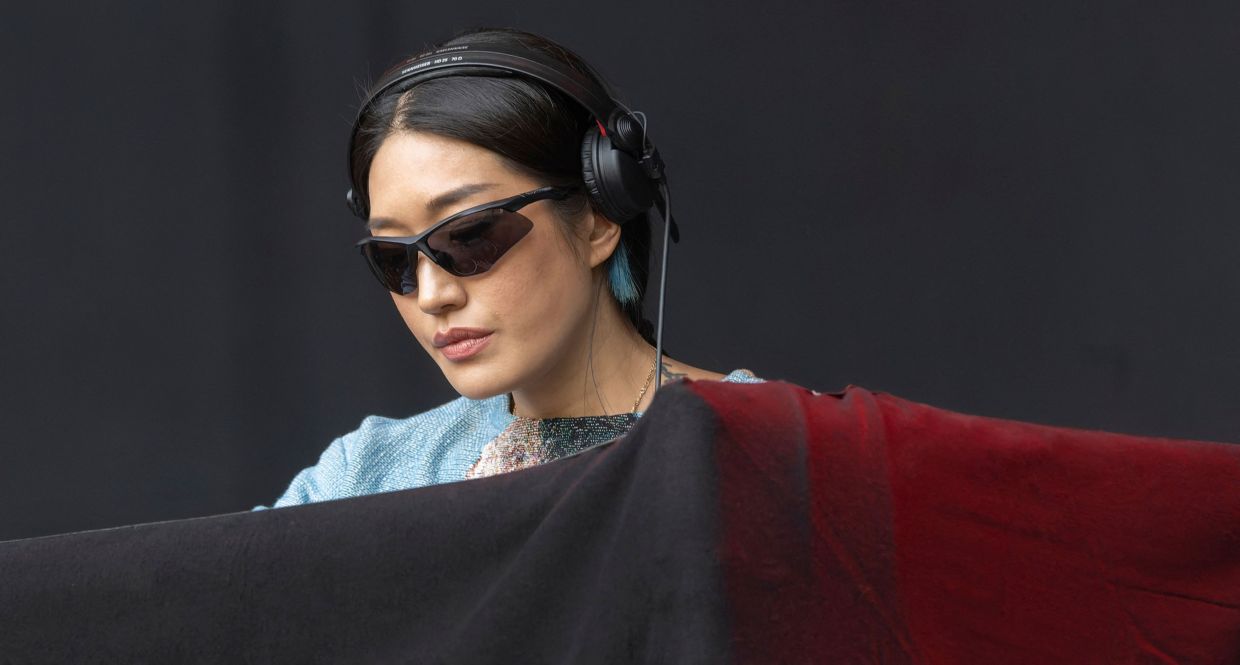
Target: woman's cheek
(515, 301)
(537, 278)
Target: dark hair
(536, 129)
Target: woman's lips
(461, 343)
(464, 348)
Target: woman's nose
(438, 290)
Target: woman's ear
(603, 238)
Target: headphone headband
(493, 60)
(489, 60)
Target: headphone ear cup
(616, 182)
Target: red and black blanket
(741, 523)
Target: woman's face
(532, 307)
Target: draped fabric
(734, 523)
(872, 529)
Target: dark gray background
(1006, 208)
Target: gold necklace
(649, 378)
(647, 386)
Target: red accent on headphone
(601, 129)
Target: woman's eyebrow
(375, 223)
(436, 204)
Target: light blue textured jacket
(436, 446)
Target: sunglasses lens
(389, 261)
(472, 244)
(466, 246)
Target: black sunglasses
(467, 243)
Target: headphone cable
(667, 225)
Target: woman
(536, 320)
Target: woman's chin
(475, 382)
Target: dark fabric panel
(607, 556)
(735, 523)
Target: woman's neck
(599, 378)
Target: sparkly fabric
(529, 442)
(443, 445)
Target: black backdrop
(1005, 208)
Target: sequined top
(464, 438)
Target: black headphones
(622, 170)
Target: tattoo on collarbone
(670, 375)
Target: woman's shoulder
(674, 369)
(459, 413)
(742, 376)
(385, 454)
(420, 440)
